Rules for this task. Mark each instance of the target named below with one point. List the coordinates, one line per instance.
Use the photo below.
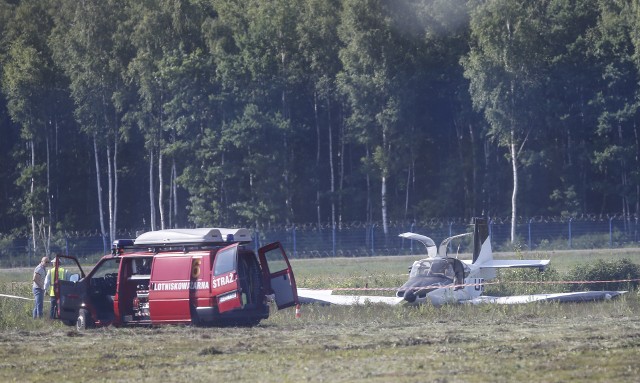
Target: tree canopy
(156, 114)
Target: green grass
(596, 342)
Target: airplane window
(449, 273)
(438, 268)
(420, 268)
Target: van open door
(278, 274)
(70, 290)
(224, 279)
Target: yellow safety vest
(60, 276)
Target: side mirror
(74, 278)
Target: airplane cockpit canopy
(432, 268)
(449, 268)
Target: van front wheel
(84, 320)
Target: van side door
(224, 279)
(169, 288)
(71, 291)
(278, 273)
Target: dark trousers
(54, 308)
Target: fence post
(490, 229)
(333, 238)
(570, 219)
(29, 242)
(256, 241)
(530, 220)
(295, 243)
(413, 224)
(610, 232)
(373, 250)
(450, 234)
(66, 244)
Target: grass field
(596, 342)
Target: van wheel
(84, 320)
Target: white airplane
(440, 279)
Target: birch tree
(88, 46)
(29, 84)
(504, 69)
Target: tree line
(170, 113)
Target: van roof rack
(202, 236)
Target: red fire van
(198, 276)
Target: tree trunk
(474, 174)
(410, 169)
(110, 192)
(32, 190)
(383, 187)
(331, 166)
(341, 181)
(383, 195)
(161, 190)
(173, 196)
(115, 186)
(99, 185)
(369, 212)
(112, 166)
(317, 176)
(514, 195)
(49, 208)
(152, 205)
(637, 161)
(463, 171)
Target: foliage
(623, 270)
(527, 281)
(258, 113)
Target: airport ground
(595, 342)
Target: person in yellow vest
(48, 287)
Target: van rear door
(278, 273)
(224, 279)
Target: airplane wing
(432, 251)
(498, 264)
(581, 296)
(326, 297)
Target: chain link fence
(358, 239)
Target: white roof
(193, 236)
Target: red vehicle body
(196, 276)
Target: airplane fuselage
(439, 291)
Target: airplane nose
(410, 296)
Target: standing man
(39, 273)
(48, 287)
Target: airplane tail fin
(481, 243)
(483, 255)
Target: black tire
(84, 320)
